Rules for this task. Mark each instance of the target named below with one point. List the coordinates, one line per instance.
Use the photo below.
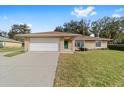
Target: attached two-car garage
(49, 41)
(44, 44)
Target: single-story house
(61, 42)
(6, 42)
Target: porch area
(67, 45)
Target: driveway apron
(36, 69)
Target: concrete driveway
(29, 69)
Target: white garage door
(44, 44)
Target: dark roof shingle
(61, 34)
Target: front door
(65, 44)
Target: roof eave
(25, 35)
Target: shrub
(116, 47)
(83, 49)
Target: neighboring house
(6, 42)
(61, 42)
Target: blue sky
(46, 18)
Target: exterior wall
(1, 44)
(26, 43)
(104, 44)
(92, 44)
(71, 45)
(61, 45)
(12, 45)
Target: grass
(14, 53)
(9, 49)
(9, 52)
(91, 69)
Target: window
(98, 43)
(79, 43)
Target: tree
(79, 27)
(84, 27)
(18, 29)
(120, 38)
(95, 28)
(3, 33)
(71, 27)
(59, 29)
(107, 27)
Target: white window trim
(101, 43)
(83, 42)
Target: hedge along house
(10, 43)
(61, 42)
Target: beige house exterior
(60, 42)
(12, 44)
(59, 38)
(90, 42)
(9, 43)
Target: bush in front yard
(83, 49)
(116, 47)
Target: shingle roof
(50, 34)
(61, 34)
(3, 39)
(82, 37)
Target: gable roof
(82, 37)
(48, 34)
(3, 39)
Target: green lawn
(92, 68)
(14, 53)
(9, 49)
(9, 52)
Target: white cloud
(116, 15)
(80, 12)
(93, 13)
(30, 25)
(119, 10)
(5, 17)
